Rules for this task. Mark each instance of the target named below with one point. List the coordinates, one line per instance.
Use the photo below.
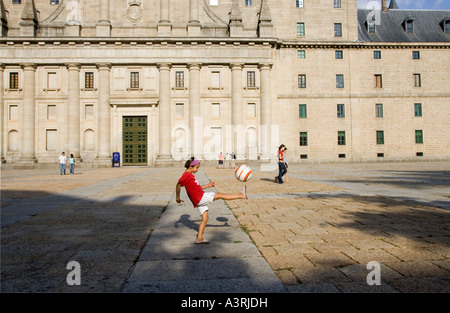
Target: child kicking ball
(198, 197)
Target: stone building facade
(161, 80)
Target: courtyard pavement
(316, 233)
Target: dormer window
(445, 25)
(370, 24)
(408, 25)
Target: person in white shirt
(62, 163)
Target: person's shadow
(186, 221)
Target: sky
(409, 4)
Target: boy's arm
(178, 190)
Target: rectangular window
(380, 137)
(251, 79)
(378, 81)
(215, 79)
(337, 3)
(341, 110)
(248, 3)
(299, 3)
(301, 54)
(417, 80)
(419, 136)
(13, 112)
(54, 1)
(302, 111)
(377, 54)
(341, 138)
(379, 110)
(215, 110)
(371, 28)
(51, 140)
(409, 27)
(337, 29)
(51, 112)
(52, 82)
(416, 55)
(300, 29)
(303, 138)
(338, 54)
(447, 27)
(251, 110)
(16, 1)
(418, 109)
(302, 81)
(179, 79)
(339, 81)
(89, 80)
(13, 80)
(179, 110)
(89, 111)
(134, 80)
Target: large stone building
(160, 80)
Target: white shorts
(207, 198)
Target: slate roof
(427, 26)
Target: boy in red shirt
(198, 197)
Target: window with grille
(13, 80)
(302, 81)
(134, 80)
(339, 81)
(251, 79)
(89, 80)
(340, 110)
(179, 79)
(380, 137)
(300, 29)
(341, 138)
(303, 138)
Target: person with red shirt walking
(281, 165)
(198, 197)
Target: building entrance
(134, 140)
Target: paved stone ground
(317, 232)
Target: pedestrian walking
(198, 197)
(286, 165)
(72, 164)
(220, 160)
(281, 165)
(62, 163)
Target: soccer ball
(243, 173)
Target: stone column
(73, 110)
(28, 113)
(164, 25)
(237, 111)
(195, 118)
(2, 115)
(104, 123)
(165, 117)
(266, 111)
(194, 23)
(103, 27)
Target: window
(13, 80)
(377, 54)
(337, 29)
(89, 80)
(337, 3)
(417, 80)
(215, 110)
(409, 27)
(179, 110)
(371, 27)
(251, 79)
(418, 109)
(416, 55)
(89, 112)
(303, 139)
(51, 140)
(248, 3)
(13, 112)
(380, 137)
(340, 110)
(299, 3)
(300, 29)
(251, 110)
(378, 81)
(341, 138)
(16, 1)
(338, 54)
(302, 111)
(54, 1)
(301, 54)
(339, 81)
(134, 80)
(379, 110)
(302, 81)
(419, 136)
(447, 27)
(52, 82)
(179, 79)
(215, 80)
(51, 112)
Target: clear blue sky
(410, 4)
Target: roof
(427, 25)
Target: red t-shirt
(193, 188)
(280, 156)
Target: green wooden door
(134, 140)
